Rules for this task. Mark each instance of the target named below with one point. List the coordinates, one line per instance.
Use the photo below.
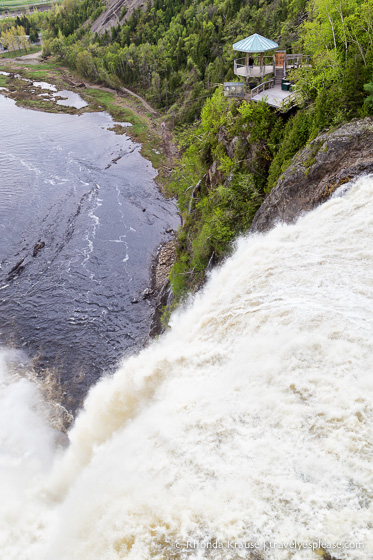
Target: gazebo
(276, 91)
(255, 44)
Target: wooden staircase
(278, 76)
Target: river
(81, 219)
(243, 432)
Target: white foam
(26, 455)
(251, 420)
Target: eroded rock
(112, 14)
(161, 285)
(329, 161)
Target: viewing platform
(274, 95)
(244, 70)
(277, 91)
(278, 65)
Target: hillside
(116, 11)
(175, 54)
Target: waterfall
(248, 424)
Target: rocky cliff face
(317, 171)
(111, 15)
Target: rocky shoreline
(159, 294)
(162, 295)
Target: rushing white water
(249, 421)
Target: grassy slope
(20, 52)
(12, 5)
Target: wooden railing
(297, 60)
(288, 102)
(262, 87)
(267, 60)
(238, 64)
(258, 64)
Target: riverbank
(96, 231)
(147, 128)
(147, 125)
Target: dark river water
(78, 234)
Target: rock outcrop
(329, 161)
(111, 15)
(160, 283)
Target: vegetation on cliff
(174, 53)
(177, 53)
(237, 151)
(235, 154)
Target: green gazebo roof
(255, 44)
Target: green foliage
(66, 20)
(31, 23)
(175, 53)
(294, 136)
(218, 218)
(338, 37)
(368, 101)
(219, 183)
(247, 146)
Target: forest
(12, 28)
(178, 53)
(174, 53)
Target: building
(265, 63)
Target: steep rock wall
(110, 16)
(329, 161)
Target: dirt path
(145, 103)
(155, 122)
(122, 90)
(32, 58)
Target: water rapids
(249, 422)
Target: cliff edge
(329, 161)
